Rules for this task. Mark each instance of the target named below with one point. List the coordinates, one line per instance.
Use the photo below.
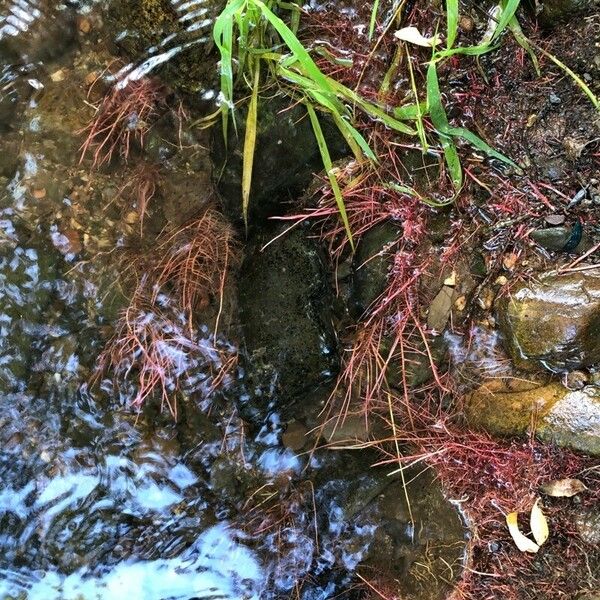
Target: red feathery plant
(123, 116)
(156, 341)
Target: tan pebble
(451, 280)
(486, 298)
(509, 261)
(58, 76)
(466, 23)
(74, 240)
(39, 193)
(84, 25)
(132, 217)
(502, 280)
(461, 303)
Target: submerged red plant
(124, 115)
(157, 343)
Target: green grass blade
(409, 112)
(446, 132)
(292, 42)
(250, 145)
(373, 19)
(452, 22)
(476, 141)
(419, 115)
(223, 37)
(509, 8)
(523, 41)
(325, 156)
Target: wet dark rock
(286, 157)
(553, 322)
(418, 368)
(285, 303)
(369, 499)
(557, 239)
(175, 35)
(372, 261)
(35, 30)
(552, 12)
(567, 418)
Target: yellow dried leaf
(523, 543)
(539, 524)
(563, 488)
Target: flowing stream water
(98, 501)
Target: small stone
(74, 239)
(39, 193)
(509, 261)
(451, 280)
(554, 98)
(555, 219)
(58, 75)
(461, 303)
(502, 280)
(466, 23)
(84, 25)
(91, 78)
(486, 298)
(576, 380)
(440, 309)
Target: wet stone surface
(285, 301)
(553, 321)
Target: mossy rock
(553, 322)
(285, 299)
(567, 418)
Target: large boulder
(553, 322)
(568, 418)
(285, 302)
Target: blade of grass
(523, 41)
(250, 144)
(223, 37)
(373, 19)
(442, 126)
(325, 156)
(419, 116)
(452, 22)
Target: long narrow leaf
(452, 22)
(325, 156)
(250, 145)
(373, 19)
